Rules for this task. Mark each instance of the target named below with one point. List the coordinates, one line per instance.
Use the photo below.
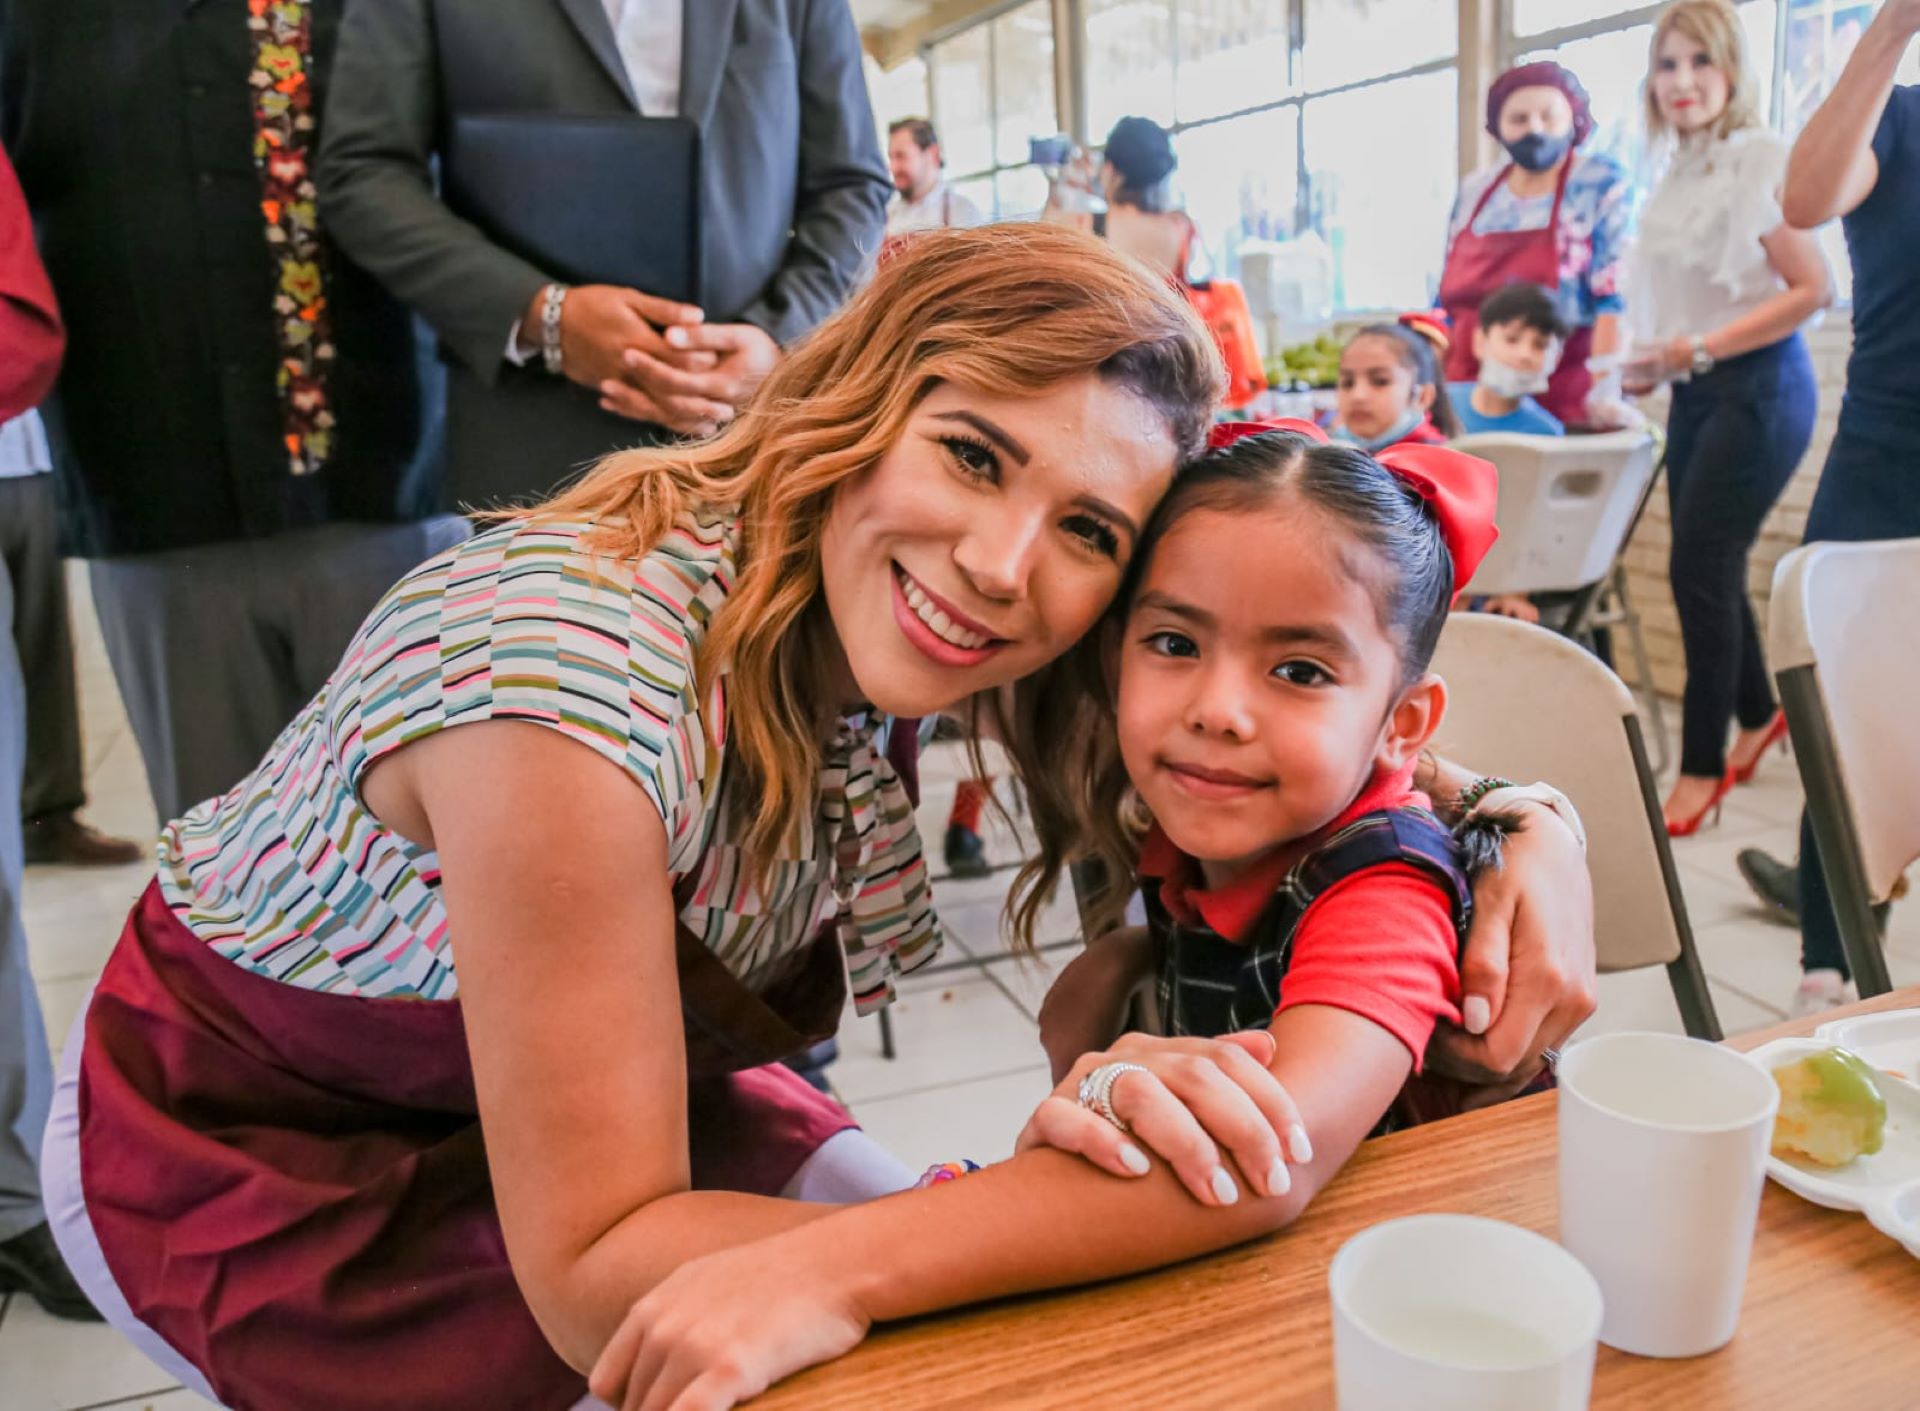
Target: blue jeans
(1734, 438)
(1869, 490)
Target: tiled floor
(969, 1066)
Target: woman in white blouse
(1718, 289)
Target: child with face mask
(1390, 389)
(1517, 341)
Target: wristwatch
(1495, 800)
(1702, 359)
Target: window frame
(988, 20)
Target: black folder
(589, 200)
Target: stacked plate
(1885, 1187)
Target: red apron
(1479, 265)
(291, 1187)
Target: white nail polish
(1134, 1159)
(1477, 1014)
(1297, 1144)
(1279, 1179)
(1223, 1187)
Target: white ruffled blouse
(1698, 263)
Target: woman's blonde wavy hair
(1006, 310)
(1715, 26)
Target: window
(1382, 161)
(1351, 40)
(899, 92)
(1129, 62)
(992, 92)
(1539, 16)
(1233, 54)
(1287, 113)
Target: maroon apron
(291, 1187)
(1479, 265)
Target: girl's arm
(1833, 168)
(723, 1329)
(554, 874)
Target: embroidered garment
(282, 32)
(290, 876)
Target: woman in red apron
(1550, 215)
(439, 1046)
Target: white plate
(1898, 1216)
(1889, 1041)
(1879, 1182)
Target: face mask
(1397, 432)
(1538, 151)
(1505, 380)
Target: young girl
(1269, 712)
(1391, 390)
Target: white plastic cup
(1459, 1313)
(1663, 1151)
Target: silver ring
(1551, 1057)
(1096, 1090)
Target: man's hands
(707, 370)
(654, 359)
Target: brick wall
(1647, 553)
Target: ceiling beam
(894, 44)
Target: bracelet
(1494, 800)
(945, 1171)
(550, 352)
(1471, 796)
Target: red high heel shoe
(1687, 827)
(1776, 735)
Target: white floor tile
(975, 1121)
(50, 1364)
(964, 1029)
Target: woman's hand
(1528, 972)
(1196, 1097)
(1086, 1007)
(723, 1328)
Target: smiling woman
(452, 1026)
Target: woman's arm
(1833, 169)
(725, 1328)
(553, 865)
(1797, 258)
(1527, 973)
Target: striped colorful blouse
(289, 875)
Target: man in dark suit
(240, 433)
(794, 197)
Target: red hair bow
(1225, 433)
(1462, 491)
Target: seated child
(1518, 342)
(1390, 390)
(1269, 710)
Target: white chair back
(1849, 612)
(1567, 504)
(1528, 704)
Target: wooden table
(1832, 1314)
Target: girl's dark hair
(1417, 355)
(1412, 594)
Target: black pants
(1734, 438)
(1870, 489)
(54, 781)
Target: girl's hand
(1196, 1097)
(1528, 971)
(1086, 1007)
(723, 1328)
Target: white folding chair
(1568, 505)
(1845, 647)
(1530, 704)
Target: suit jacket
(131, 128)
(794, 200)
